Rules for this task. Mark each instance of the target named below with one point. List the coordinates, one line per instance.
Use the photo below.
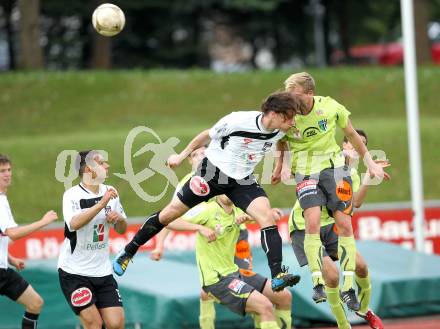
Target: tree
(421, 35)
(31, 54)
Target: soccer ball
(108, 19)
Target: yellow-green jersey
(216, 258)
(312, 139)
(296, 217)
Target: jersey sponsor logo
(247, 140)
(343, 190)
(310, 132)
(81, 296)
(98, 233)
(236, 285)
(307, 184)
(199, 186)
(322, 124)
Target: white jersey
(6, 221)
(86, 250)
(239, 142)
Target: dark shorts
(83, 291)
(329, 240)
(234, 290)
(332, 188)
(209, 181)
(12, 285)
(243, 254)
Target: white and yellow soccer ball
(108, 19)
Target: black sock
(29, 320)
(272, 246)
(151, 227)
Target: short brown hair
(81, 161)
(360, 133)
(284, 103)
(4, 160)
(302, 79)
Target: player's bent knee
(284, 299)
(35, 304)
(265, 308)
(204, 296)
(362, 269)
(92, 323)
(115, 323)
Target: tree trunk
(423, 46)
(101, 48)
(343, 17)
(7, 10)
(101, 52)
(31, 53)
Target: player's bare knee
(284, 299)
(92, 323)
(35, 304)
(361, 269)
(265, 308)
(204, 296)
(115, 323)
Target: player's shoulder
(326, 101)
(74, 190)
(108, 187)
(244, 114)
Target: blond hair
(302, 79)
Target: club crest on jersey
(322, 124)
(247, 140)
(267, 146)
(199, 186)
(81, 296)
(107, 209)
(236, 285)
(319, 112)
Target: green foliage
(43, 114)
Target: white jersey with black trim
(86, 251)
(239, 142)
(6, 221)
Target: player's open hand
(208, 233)
(109, 194)
(242, 218)
(49, 217)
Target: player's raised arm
(353, 137)
(200, 140)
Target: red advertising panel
(386, 225)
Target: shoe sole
(291, 282)
(322, 300)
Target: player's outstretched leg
(150, 228)
(260, 210)
(272, 246)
